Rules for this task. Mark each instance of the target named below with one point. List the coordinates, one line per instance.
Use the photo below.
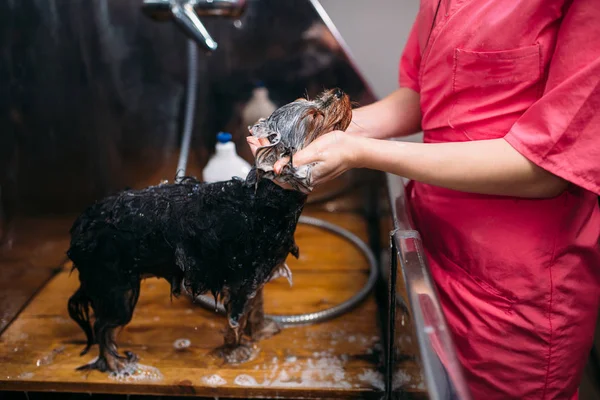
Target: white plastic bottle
(259, 106)
(225, 162)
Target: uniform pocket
(490, 90)
(475, 287)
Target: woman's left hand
(333, 154)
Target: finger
(306, 156)
(278, 166)
(253, 143)
(256, 143)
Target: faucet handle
(185, 17)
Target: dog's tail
(79, 310)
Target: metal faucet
(186, 14)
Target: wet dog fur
(225, 238)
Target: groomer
(505, 187)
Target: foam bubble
(245, 380)
(374, 378)
(325, 371)
(213, 380)
(181, 344)
(134, 372)
(26, 375)
(400, 379)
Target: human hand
(332, 154)
(255, 143)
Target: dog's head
(294, 126)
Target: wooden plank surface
(339, 358)
(38, 250)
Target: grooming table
(340, 358)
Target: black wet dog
(227, 238)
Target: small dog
(227, 238)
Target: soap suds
(49, 358)
(181, 344)
(400, 379)
(322, 371)
(245, 380)
(213, 380)
(374, 378)
(135, 372)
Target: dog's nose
(338, 93)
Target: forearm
(486, 167)
(398, 114)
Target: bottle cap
(223, 137)
(260, 84)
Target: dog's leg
(113, 310)
(235, 349)
(258, 327)
(78, 307)
(295, 250)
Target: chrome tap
(186, 14)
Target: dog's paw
(116, 365)
(237, 354)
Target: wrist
(355, 127)
(357, 149)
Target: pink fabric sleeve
(561, 131)
(410, 61)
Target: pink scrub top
(518, 279)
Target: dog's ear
(314, 123)
(266, 156)
(259, 129)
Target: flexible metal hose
(190, 107)
(285, 320)
(323, 315)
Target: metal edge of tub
(443, 373)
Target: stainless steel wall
(92, 92)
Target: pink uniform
(519, 279)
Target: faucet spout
(185, 13)
(185, 17)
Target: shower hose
(285, 320)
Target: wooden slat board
(39, 248)
(338, 358)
